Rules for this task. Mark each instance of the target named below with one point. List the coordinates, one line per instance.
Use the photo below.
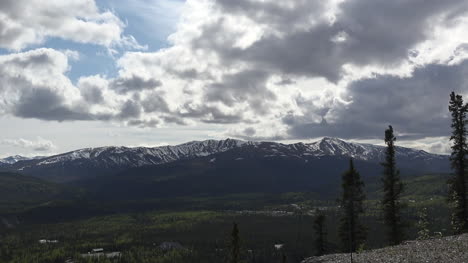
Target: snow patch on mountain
(17, 158)
(141, 156)
(124, 157)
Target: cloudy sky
(86, 73)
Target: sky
(90, 73)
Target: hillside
(453, 249)
(231, 172)
(18, 191)
(265, 168)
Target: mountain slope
(91, 162)
(18, 191)
(249, 169)
(16, 158)
(108, 160)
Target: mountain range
(92, 162)
(212, 174)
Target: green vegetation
(393, 189)
(458, 184)
(203, 224)
(351, 230)
(320, 233)
(18, 192)
(234, 255)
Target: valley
(192, 193)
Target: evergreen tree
(352, 233)
(423, 225)
(458, 191)
(392, 188)
(235, 245)
(320, 233)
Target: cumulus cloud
(261, 69)
(134, 83)
(416, 106)
(38, 145)
(24, 23)
(33, 85)
(92, 89)
(378, 33)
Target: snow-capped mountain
(106, 160)
(17, 158)
(141, 156)
(366, 152)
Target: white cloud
(30, 22)
(34, 85)
(439, 145)
(38, 145)
(229, 61)
(204, 72)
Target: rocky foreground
(453, 249)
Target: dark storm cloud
(249, 131)
(130, 109)
(246, 86)
(210, 114)
(381, 31)
(92, 94)
(124, 85)
(46, 105)
(155, 103)
(376, 32)
(8, 5)
(189, 73)
(174, 119)
(143, 123)
(278, 13)
(415, 106)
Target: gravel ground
(453, 249)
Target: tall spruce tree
(234, 256)
(351, 231)
(392, 190)
(457, 190)
(320, 233)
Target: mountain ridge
(16, 158)
(102, 160)
(327, 141)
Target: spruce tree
(352, 233)
(392, 190)
(320, 233)
(423, 225)
(234, 256)
(457, 190)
